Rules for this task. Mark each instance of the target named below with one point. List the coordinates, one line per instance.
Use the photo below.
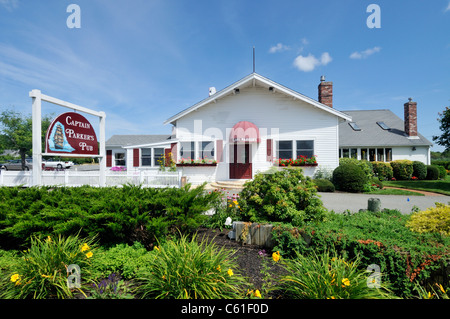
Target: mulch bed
(248, 258)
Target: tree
(444, 120)
(16, 132)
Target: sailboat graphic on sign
(57, 140)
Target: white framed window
(146, 156)
(158, 156)
(207, 150)
(187, 150)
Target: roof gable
(252, 80)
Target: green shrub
(376, 183)
(115, 215)
(284, 196)
(365, 165)
(382, 170)
(442, 172)
(380, 238)
(419, 170)
(327, 276)
(349, 177)
(432, 172)
(123, 259)
(433, 219)
(324, 185)
(42, 272)
(186, 269)
(402, 169)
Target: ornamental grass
(330, 277)
(186, 269)
(42, 271)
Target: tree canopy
(444, 138)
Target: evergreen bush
(419, 170)
(402, 169)
(432, 172)
(350, 177)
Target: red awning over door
(245, 131)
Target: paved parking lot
(339, 202)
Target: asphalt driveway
(339, 202)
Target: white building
(246, 128)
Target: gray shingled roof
(128, 140)
(372, 134)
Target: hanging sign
(71, 134)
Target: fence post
(66, 177)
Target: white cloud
(448, 8)
(278, 48)
(364, 54)
(310, 62)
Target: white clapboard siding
(271, 113)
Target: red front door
(240, 161)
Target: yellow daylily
(276, 256)
(230, 272)
(345, 282)
(89, 254)
(84, 247)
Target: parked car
(53, 163)
(16, 165)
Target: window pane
(187, 150)
(354, 153)
(380, 155)
(345, 152)
(388, 154)
(305, 148)
(120, 159)
(302, 145)
(284, 149)
(207, 150)
(146, 156)
(158, 156)
(371, 154)
(364, 153)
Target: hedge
(383, 170)
(402, 169)
(419, 170)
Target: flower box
(195, 164)
(198, 162)
(300, 161)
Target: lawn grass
(393, 191)
(437, 186)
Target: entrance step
(238, 184)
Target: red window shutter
(219, 145)
(269, 150)
(173, 150)
(108, 158)
(135, 157)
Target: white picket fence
(78, 178)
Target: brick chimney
(410, 118)
(326, 92)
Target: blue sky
(142, 61)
